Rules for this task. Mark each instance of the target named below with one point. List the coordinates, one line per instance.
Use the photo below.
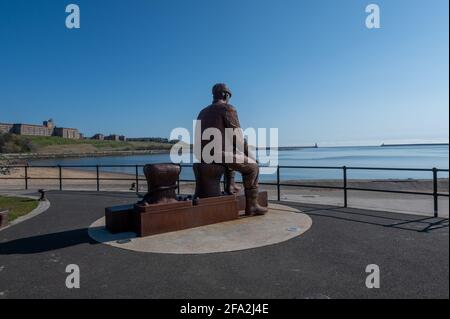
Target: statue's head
(221, 91)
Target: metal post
(98, 178)
(278, 183)
(26, 177)
(178, 185)
(435, 192)
(344, 171)
(60, 177)
(137, 179)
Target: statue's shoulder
(206, 109)
(229, 108)
(219, 108)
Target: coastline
(34, 156)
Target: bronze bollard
(162, 182)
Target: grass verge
(12, 143)
(17, 206)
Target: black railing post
(278, 183)
(60, 177)
(137, 179)
(26, 177)
(178, 185)
(98, 178)
(435, 193)
(344, 171)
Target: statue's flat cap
(220, 88)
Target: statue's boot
(251, 203)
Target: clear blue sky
(310, 68)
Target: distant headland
(48, 128)
(414, 144)
(48, 141)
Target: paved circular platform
(281, 223)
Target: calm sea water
(370, 156)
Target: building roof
(35, 125)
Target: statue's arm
(232, 121)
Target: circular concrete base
(281, 223)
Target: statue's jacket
(223, 117)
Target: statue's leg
(230, 184)
(250, 172)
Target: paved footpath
(328, 261)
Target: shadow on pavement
(59, 240)
(47, 242)
(385, 219)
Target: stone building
(30, 129)
(5, 127)
(67, 132)
(47, 128)
(98, 136)
(112, 137)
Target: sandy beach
(77, 179)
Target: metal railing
(278, 183)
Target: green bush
(11, 143)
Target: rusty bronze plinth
(161, 212)
(162, 182)
(165, 217)
(207, 179)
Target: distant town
(48, 128)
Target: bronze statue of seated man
(221, 115)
